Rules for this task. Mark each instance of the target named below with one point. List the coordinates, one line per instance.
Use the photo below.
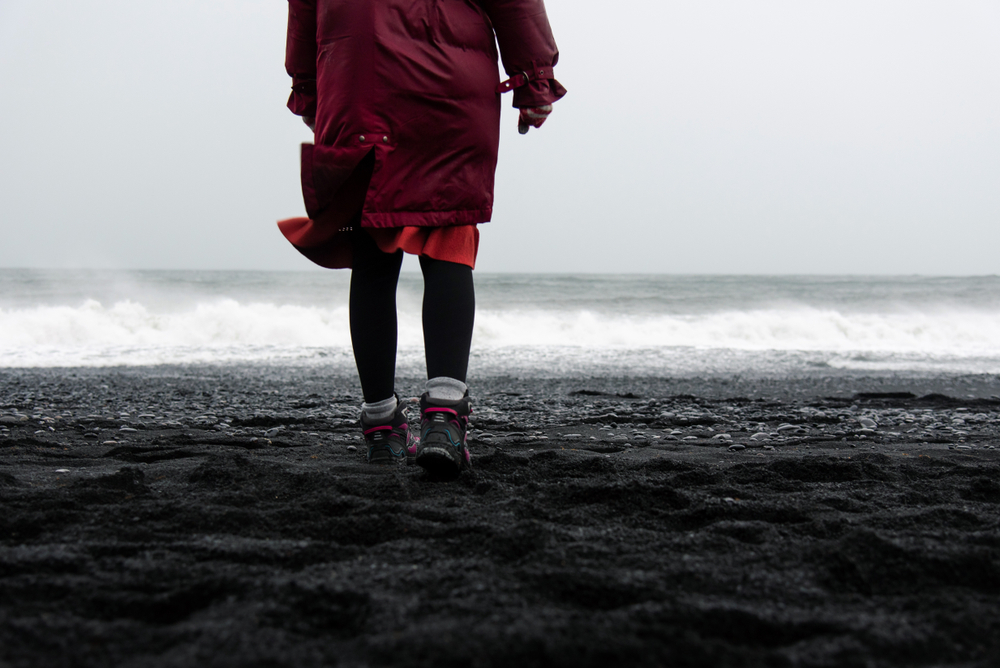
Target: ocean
(544, 325)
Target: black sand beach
(218, 516)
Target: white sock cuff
(444, 388)
(380, 410)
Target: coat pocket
(335, 180)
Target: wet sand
(223, 516)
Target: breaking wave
(226, 330)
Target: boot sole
(395, 461)
(439, 463)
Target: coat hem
(426, 218)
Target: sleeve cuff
(538, 93)
(302, 101)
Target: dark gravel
(218, 516)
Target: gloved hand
(532, 117)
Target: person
(403, 97)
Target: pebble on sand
(13, 419)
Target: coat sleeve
(526, 43)
(300, 56)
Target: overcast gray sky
(717, 136)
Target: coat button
(361, 138)
(385, 140)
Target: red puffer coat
(406, 96)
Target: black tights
(449, 311)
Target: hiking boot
(442, 450)
(388, 442)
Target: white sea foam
(127, 332)
(126, 323)
(960, 333)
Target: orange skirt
(458, 243)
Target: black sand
(229, 524)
